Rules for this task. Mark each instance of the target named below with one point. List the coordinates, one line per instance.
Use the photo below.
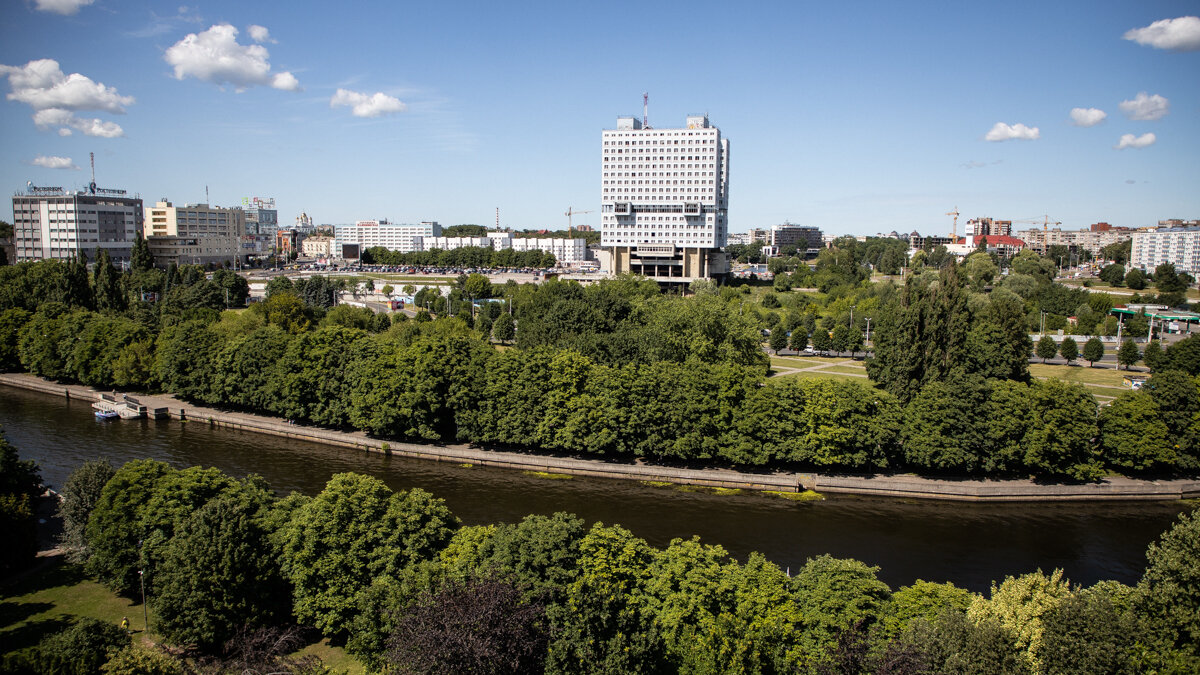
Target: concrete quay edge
(902, 486)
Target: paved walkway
(910, 486)
(776, 370)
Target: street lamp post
(868, 339)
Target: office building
(800, 236)
(664, 200)
(404, 238)
(54, 223)
(1155, 246)
(194, 234)
(261, 215)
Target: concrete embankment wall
(913, 487)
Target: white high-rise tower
(664, 200)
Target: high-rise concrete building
(50, 222)
(1155, 246)
(664, 200)
(195, 234)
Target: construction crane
(954, 231)
(1043, 220)
(569, 214)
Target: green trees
(504, 329)
(219, 576)
(1133, 435)
(1168, 596)
(1093, 351)
(79, 497)
(354, 531)
(1069, 349)
(114, 530)
(20, 484)
(1113, 274)
(1128, 354)
(1135, 279)
(1047, 348)
(778, 340)
(922, 337)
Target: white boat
(105, 414)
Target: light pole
(868, 340)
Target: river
(965, 543)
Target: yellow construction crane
(571, 212)
(1044, 220)
(954, 231)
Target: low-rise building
(317, 246)
(195, 233)
(404, 238)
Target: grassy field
(1099, 378)
(49, 600)
(827, 375)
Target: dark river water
(968, 544)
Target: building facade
(53, 223)
(404, 238)
(664, 200)
(317, 246)
(1092, 240)
(195, 234)
(800, 236)
(1155, 246)
(261, 215)
(988, 226)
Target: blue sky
(854, 117)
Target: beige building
(316, 247)
(1091, 240)
(195, 234)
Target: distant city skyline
(862, 120)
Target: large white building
(404, 238)
(50, 222)
(1178, 245)
(664, 200)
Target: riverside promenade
(904, 485)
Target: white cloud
(1087, 117)
(54, 162)
(54, 96)
(1005, 132)
(66, 120)
(259, 33)
(363, 105)
(1143, 107)
(64, 7)
(41, 84)
(1177, 35)
(215, 56)
(1131, 141)
(286, 82)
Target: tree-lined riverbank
(884, 485)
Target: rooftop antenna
(206, 202)
(645, 110)
(92, 185)
(497, 218)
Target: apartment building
(55, 223)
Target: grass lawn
(52, 598)
(845, 370)
(49, 600)
(1082, 374)
(827, 375)
(802, 361)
